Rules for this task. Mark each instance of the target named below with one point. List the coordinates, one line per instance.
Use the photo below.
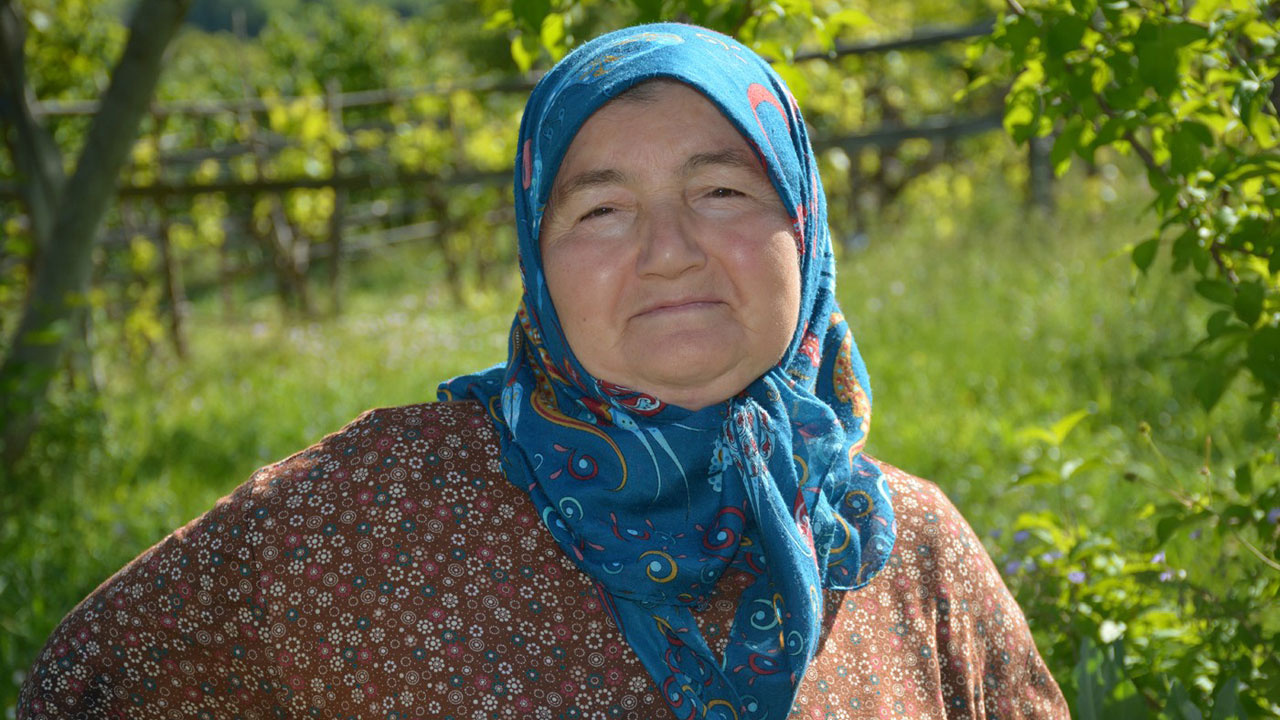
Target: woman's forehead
(667, 119)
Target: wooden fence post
(174, 294)
(280, 240)
(1040, 174)
(333, 103)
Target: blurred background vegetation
(315, 220)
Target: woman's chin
(693, 368)
(696, 382)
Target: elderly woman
(658, 506)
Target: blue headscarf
(653, 501)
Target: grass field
(978, 322)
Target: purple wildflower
(1012, 567)
(1050, 556)
(1195, 534)
(1158, 558)
(1273, 517)
(1021, 535)
(1076, 576)
(1166, 576)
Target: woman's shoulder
(389, 445)
(376, 472)
(921, 506)
(420, 426)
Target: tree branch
(36, 158)
(1147, 158)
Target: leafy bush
(1189, 90)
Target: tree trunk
(60, 286)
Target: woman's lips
(672, 307)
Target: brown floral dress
(391, 571)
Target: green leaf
(1219, 323)
(1064, 34)
(1125, 700)
(1263, 127)
(523, 52)
(1260, 165)
(1244, 478)
(1242, 100)
(1186, 149)
(1028, 434)
(1179, 705)
(1226, 702)
(1235, 515)
(1018, 34)
(1263, 357)
(833, 26)
(1036, 477)
(1250, 230)
(1213, 381)
(529, 13)
(1112, 130)
(1022, 111)
(1185, 248)
(1167, 525)
(552, 35)
(1248, 302)
(1066, 144)
(647, 11)
(1179, 33)
(1100, 76)
(1145, 253)
(1090, 693)
(1084, 467)
(1126, 92)
(1218, 291)
(1157, 61)
(1200, 131)
(1063, 427)
(1200, 260)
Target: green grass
(976, 321)
(1012, 321)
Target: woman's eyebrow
(732, 157)
(584, 180)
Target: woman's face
(669, 257)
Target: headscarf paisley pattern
(654, 501)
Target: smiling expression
(669, 257)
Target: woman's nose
(670, 245)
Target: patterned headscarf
(653, 501)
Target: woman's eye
(595, 213)
(724, 192)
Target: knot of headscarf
(653, 501)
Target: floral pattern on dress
(391, 571)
